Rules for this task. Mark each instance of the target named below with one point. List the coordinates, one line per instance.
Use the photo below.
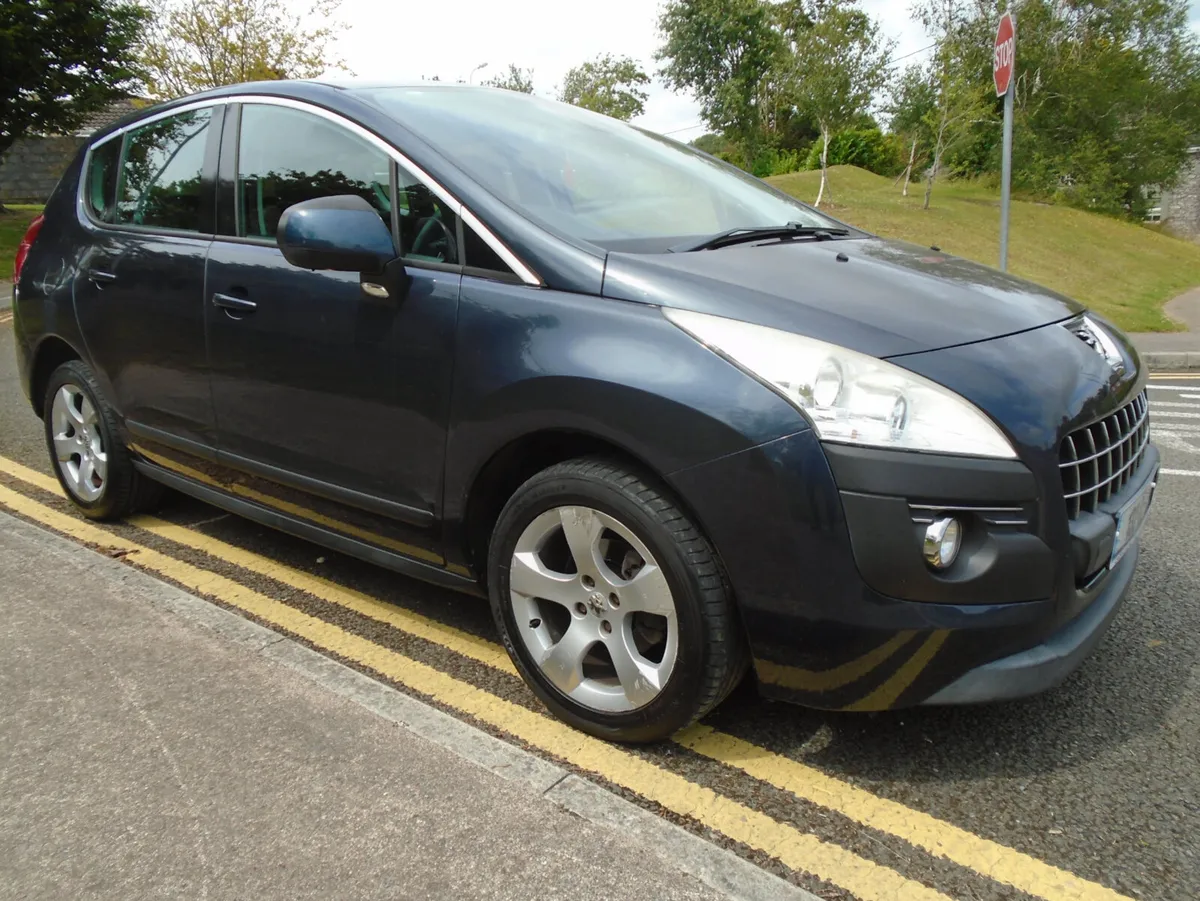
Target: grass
(12, 229)
(1120, 269)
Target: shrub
(867, 148)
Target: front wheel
(611, 602)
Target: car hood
(882, 298)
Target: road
(1089, 792)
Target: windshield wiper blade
(758, 233)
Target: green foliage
(1107, 95)
(198, 44)
(722, 52)
(867, 148)
(839, 62)
(60, 61)
(519, 80)
(608, 85)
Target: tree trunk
(824, 165)
(912, 158)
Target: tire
(77, 418)
(621, 615)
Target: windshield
(584, 174)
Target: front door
(139, 293)
(331, 405)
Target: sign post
(1004, 62)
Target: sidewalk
(1173, 351)
(143, 755)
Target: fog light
(943, 538)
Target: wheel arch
(522, 458)
(51, 352)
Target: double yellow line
(798, 850)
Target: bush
(867, 148)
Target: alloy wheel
(594, 609)
(79, 443)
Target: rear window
(100, 186)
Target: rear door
(331, 404)
(139, 295)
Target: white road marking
(1172, 387)
(1158, 405)
(1180, 472)
(1173, 415)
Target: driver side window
(286, 156)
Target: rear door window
(161, 171)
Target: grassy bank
(1122, 270)
(12, 228)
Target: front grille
(1097, 461)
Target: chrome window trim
(519, 268)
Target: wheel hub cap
(78, 447)
(594, 610)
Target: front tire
(611, 602)
(92, 465)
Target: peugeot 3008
(673, 423)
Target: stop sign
(1004, 58)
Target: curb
(1171, 361)
(716, 867)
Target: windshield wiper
(758, 233)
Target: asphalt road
(1099, 778)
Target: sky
(405, 41)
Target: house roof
(107, 115)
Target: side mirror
(342, 233)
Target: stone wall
(1181, 206)
(32, 166)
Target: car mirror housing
(342, 233)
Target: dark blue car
(676, 425)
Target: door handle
(100, 277)
(234, 304)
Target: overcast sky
(401, 40)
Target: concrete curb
(1171, 361)
(716, 867)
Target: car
(675, 425)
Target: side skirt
(284, 523)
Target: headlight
(851, 398)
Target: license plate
(1131, 518)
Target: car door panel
(139, 288)
(331, 405)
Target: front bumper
(841, 612)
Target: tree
(914, 97)
(60, 61)
(199, 44)
(519, 80)
(839, 64)
(722, 51)
(955, 77)
(607, 85)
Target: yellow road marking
(936, 836)
(1167, 376)
(989, 858)
(799, 851)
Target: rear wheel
(92, 466)
(611, 602)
